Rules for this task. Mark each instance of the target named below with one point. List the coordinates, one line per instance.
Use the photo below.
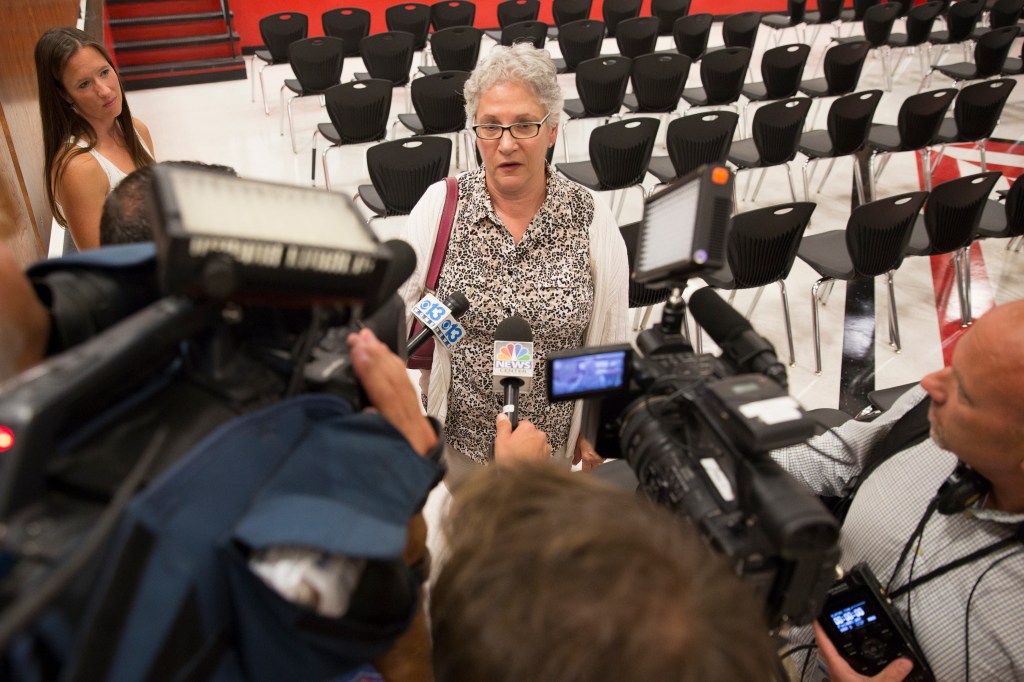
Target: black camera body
(865, 628)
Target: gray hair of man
(520, 63)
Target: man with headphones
(954, 576)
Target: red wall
(249, 12)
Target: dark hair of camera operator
(967, 621)
(127, 211)
(626, 592)
(89, 135)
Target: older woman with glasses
(525, 241)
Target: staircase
(160, 43)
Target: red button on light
(6, 439)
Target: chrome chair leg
(323, 161)
(816, 324)
(792, 188)
(824, 178)
(757, 188)
(789, 322)
(894, 324)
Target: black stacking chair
(961, 20)
(451, 13)
(849, 120)
(277, 31)
(842, 68)
(990, 53)
(568, 11)
(359, 112)
(693, 141)
(776, 133)
(601, 86)
(454, 49)
(614, 11)
(658, 79)
(533, 32)
(916, 128)
(740, 29)
(760, 250)
(578, 41)
(1004, 221)
(637, 36)
(317, 64)
(871, 245)
(619, 155)
(781, 70)
(401, 171)
(856, 13)
(877, 26)
(793, 18)
(829, 12)
(691, 34)
(411, 17)
(1014, 66)
(1001, 13)
(976, 112)
(642, 298)
(387, 55)
(512, 12)
(722, 72)
(440, 107)
(950, 220)
(904, 6)
(351, 24)
(667, 12)
(920, 20)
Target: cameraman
(966, 620)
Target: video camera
(696, 429)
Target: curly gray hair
(521, 63)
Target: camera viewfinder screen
(586, 374)
(852, 617)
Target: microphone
(439, 320)
(744, 349)
(513, 363)
(403, 263)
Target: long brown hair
(62, 126)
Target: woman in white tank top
(91, 140)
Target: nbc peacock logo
(514, 352)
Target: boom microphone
(439, 320)
(513, 363)
(741, 346)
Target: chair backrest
(534, 32)
(722, 73)
(954, 208)
(849, 121)
(698, 139)
(567, 11)
(439, 102)
(514, 11)
(991, 50)
(740, 29)
(1015, 207)
(776, 129)
(637, 36)
(580, 40)
(1005, 13)
(978, 106)
(796, 10)
(691, 34)
(860, 7)
(877, 233)
(658, 80)
(402, 170)
(920, 117)
(621, 151)
(280, 30)
(640, 295)
(782, 68)
(456, 48)
(667, 12)
(920, 20)
(388, 55)
(448, 13)
(351, 24)
(359, 110)
(843, 65)
(878, 21)
(762, 243)
(904, 6)
(317, 62)
(614, 11)
(412, 17)
(829, 11)
(962, 18)
(601, 84)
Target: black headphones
(963, 488)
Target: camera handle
(673, 317)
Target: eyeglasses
(520, 131)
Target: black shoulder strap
(910, 429)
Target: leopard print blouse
(545, 279)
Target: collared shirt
(545, 278)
